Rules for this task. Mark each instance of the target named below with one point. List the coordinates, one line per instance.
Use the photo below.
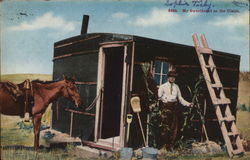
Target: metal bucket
(126, 154)
(149, 153)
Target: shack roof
(144, 41)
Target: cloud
(48, 20)
(232, 21)
(192, 15)
(120, 15)
(156, 17)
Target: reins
(94, 102)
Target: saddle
(22, 93)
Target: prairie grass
(185, 156)
(17, 144)
(29, 154)
(11, 134)
(23, 153)
(243, 124)
(244, 91)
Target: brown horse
(43, 93)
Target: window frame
(153, 69)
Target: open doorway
(112, 95)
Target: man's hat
(172, 74)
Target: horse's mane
(45, 82)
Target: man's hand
(191, 105)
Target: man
(170, 92)
(169, 95)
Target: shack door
(112, 86)
(112, 92)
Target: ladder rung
(232, 133)
(230, 118)
(238, 151)
(205, 50)
(221, 101)
(210, 66)
(216, 85)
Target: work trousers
(169, 123)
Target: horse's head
(70, 91)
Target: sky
(29, 29)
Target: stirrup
(26, 117)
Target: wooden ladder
(218, 97)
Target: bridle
(69, 95)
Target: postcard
(133, 78)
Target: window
(160, 71)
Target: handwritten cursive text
(240, 3)
(203, 4)
(174, 3)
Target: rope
(94, 102)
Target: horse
(44, 92)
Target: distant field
(242, 123)
(244, 89)
(18, 78)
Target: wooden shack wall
(184, 58)
(76, 57)
(187, 64)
